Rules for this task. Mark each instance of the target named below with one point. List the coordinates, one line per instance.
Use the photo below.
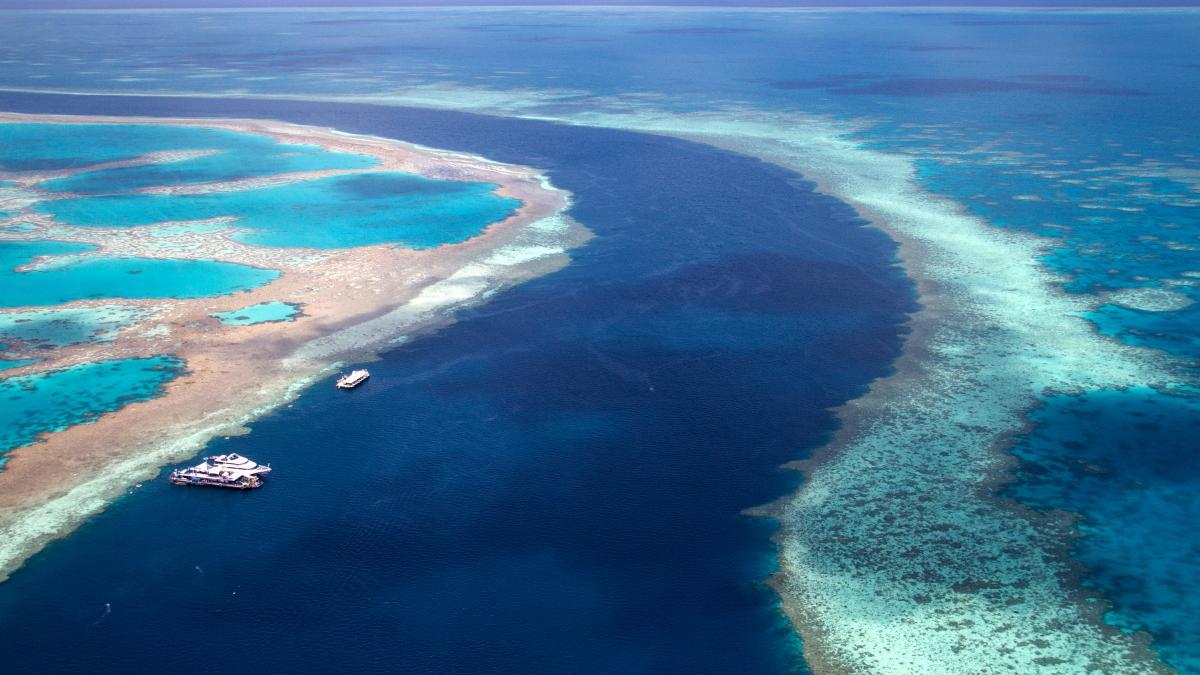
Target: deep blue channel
(552, 484)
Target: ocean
(562, 471)
(555, 482)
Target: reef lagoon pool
(264, 312)
(63, 326)
(335, 212)
(54, 400)
(88, 278)
(201, 155)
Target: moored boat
(239, 463)
(227, 471)
(353, 379)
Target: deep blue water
(552, 484)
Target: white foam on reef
(1150, 299)
(473, 282)
(516, 255)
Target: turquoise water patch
(112, 277)
(19, 227)
(13, 254)
(266, 312)
(49, 146)
(7, 214)
(52, 401)
(242, 156)
(1156, 330)
(1126, 461)
(8, 364)
(334, 212)
(67, 326)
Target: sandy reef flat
(355, 302)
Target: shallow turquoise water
(8, 364)
(41, 146)
(112, 277)
(334, 212)
(1129, 458)
(252, 156)
(266, 312)
(67, 326)
(36, 404)
(18, 227)
(1158, 330)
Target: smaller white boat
(352, 380)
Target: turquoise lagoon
(264, 312)
(114, 277)
(335, 212)
(52, 401)
(18, 227)
(48, 146)
(8, 364)
(63, 326)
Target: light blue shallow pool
(44, 402)
(335, 212)
(265, 312)
(112, 277)
(48, 146)
(60, 327)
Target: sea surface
(559, 474)
(553, 483)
